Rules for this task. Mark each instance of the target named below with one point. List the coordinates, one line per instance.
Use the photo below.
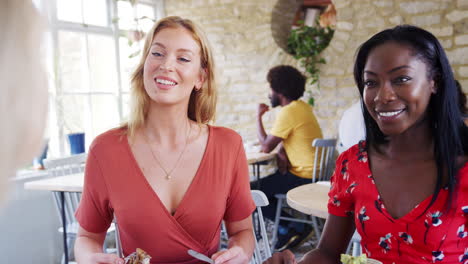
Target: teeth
(387, 114)
(166, 82)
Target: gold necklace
(168, 173)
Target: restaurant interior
(92, 47)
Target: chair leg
(317, 231)
(279, 207)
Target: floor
(299, 251)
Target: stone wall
(245, 33)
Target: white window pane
(105, 113)
(69, 10)
(141, 17)
(130, 54)
(72, 68)
(126, 15)
(95, 12)
(73, 109)
(125, 106)
(145, 17)
(102, 63)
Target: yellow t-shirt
(297, 126)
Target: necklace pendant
(168, 177)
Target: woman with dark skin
(409, 178)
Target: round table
(310, 199)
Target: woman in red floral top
(405, 189)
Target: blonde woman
(168, 177)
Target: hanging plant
(306, 43)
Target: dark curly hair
(287, 80)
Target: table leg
(64, 225)
(257, 165)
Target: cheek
(368, 97)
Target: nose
(167, 64)
(385, 93)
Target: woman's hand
(286, 257)
(234, 255)
(103, 258)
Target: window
(93, 50)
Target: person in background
(23, 100)
(405, 188)
(295, 127)
(352, 128)
(462, 102)
(168, 177)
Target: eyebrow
(390, 71)
(162, 46)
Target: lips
(389, 114)
(165, 83)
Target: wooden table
(311, 199)
(256, 159)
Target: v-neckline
(416, 209)
(187, 192)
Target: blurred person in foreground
(404, 189)
(23, 88)
(168, 177)
(295, 127)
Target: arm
(334, 241)
(268, 142)
(241, 243)
(88, 249)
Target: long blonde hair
(202, 103)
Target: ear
(433, 87)
(201, 79)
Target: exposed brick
(418, 7)
(461, 40)
(456, 15)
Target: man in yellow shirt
(295, 127)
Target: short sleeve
(94, 212)
(240, 203)
(340, 202)
(282, 126)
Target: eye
(369, 83)
(402, 79)
(156, 54)
(184, 59)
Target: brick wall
(246, 36)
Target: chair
(261, 245)
(323, 168)
(62, 167)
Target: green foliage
(306, 43)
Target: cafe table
(74, 183)
(311, 199)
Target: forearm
(84, 247)
(319, 256)
(243, 239)
(261, 134)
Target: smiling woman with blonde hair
(168, 177)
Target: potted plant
(306, 43)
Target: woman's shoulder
(112, 137)
(355, 151)
(225, 134)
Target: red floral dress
(434, 236)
